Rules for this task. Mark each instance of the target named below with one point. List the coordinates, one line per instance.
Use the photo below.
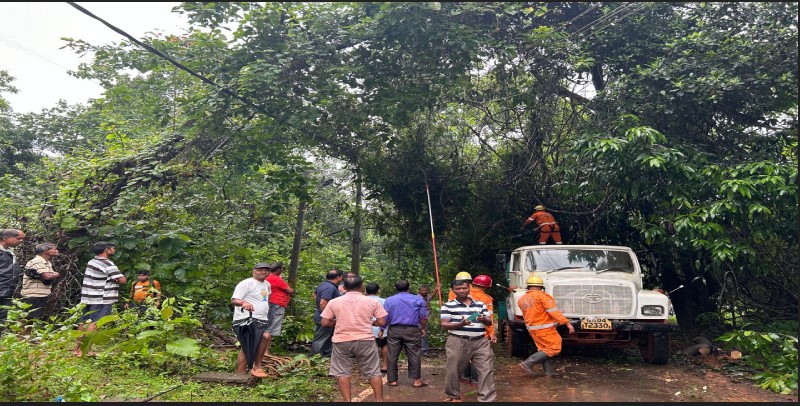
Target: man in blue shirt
(326, 291)
(407, 321)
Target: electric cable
(603, 18)
(33, 53)
(590, 8)
(599, 30)
(168, 59)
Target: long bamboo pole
(433, 240)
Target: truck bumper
(624, 334)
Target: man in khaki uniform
(38, 277)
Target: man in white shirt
(251, 299)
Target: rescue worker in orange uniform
(545, 224)
(541, 318)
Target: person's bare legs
(344, 387)
(83, 327)
(384, 358)
(262, 349)
(241, 363)
(377, 387)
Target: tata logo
(593, 298)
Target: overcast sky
(30, 40)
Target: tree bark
(298, 236)
(355, 264)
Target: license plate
(596, 323)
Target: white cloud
(30, 40)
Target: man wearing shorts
(372, 290)
(278, 300)
(351, 316)
(100, 289)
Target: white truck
(599, 288)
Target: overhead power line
(590, 8)
(604, 18)
(31, 52)
(622, 17)
(168, 58)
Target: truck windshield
(586, 260)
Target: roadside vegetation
(670, 128)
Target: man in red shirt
(278, 300)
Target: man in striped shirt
(466, 343)
(100, 288)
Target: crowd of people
(352, 328)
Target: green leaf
(166, 313)
(187, 347)
(106, 319)
(147, 333)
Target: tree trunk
(355, 264)
(298, 237)
(693, 299)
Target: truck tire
(654, 347)
(518, 342)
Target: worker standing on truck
(541, 318)
(545, 224)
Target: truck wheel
(519, 341)
(654, 347)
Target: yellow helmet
(534, 281)
(461, 276)
(539, 207)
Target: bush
(773, 356)
(163, 339)
(40, 366)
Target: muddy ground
(592, 376)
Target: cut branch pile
(276, 366)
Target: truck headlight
(653, 310)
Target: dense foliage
(667, 127)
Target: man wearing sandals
(351, 317)
(465, 320)
(251, 296)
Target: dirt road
(589, 376)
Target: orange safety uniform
(483, 297)
(541, 318)
(141, 290)
(547, 226)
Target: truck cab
(598, 288)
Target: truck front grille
(594, 300)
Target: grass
(127, 383)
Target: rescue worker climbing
(541, 318)
(545, 224)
